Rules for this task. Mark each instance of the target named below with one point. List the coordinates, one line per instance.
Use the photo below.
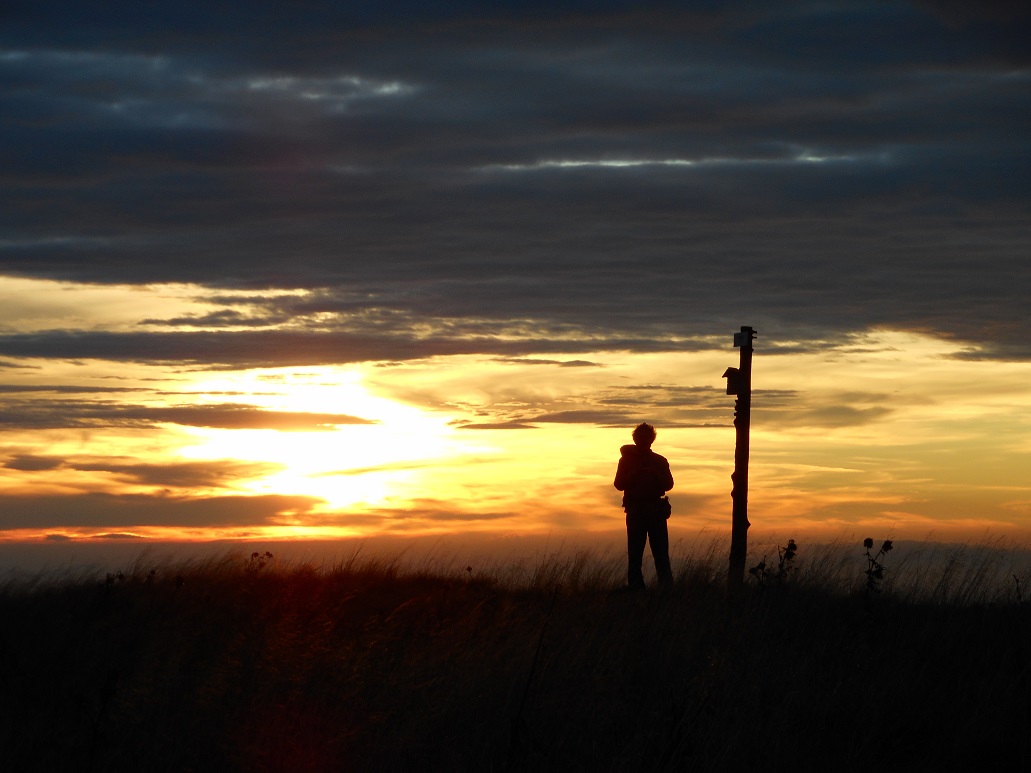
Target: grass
(239, 663)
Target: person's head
(644, 435)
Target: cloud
(542, 173)
(387, 467)
(276, 348)
(112, 511)
(829, 416)
(216, 319)
(664, 395)
(33, 463)
(828, 410)
(422, 514)
(229, 416)
(493, 425)
(559, 363)
(185, 475)
(50, 414)
(603, 418)
(517, 404)
(65, 389)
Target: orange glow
(894, 434)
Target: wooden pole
(741, 381)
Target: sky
(315, 270)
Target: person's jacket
(642, 475)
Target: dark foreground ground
(237, 664)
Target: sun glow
(892, 429)
(348, 465)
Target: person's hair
(644, 434)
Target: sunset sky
(311, 270)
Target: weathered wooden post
(739, 382)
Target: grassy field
(241, 663)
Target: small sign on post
(739, 383)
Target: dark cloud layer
(593, 169)
(287, 347)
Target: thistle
(874, 568)
(259, 561)
(785, 555)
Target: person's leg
(636, 536)
(658, 538)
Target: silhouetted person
(644, 477)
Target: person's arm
(669, 477)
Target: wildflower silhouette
(259, 560)
(874, 568)
(785, 555)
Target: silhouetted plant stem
(520, 730)
(785, 556)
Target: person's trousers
(650, 528)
